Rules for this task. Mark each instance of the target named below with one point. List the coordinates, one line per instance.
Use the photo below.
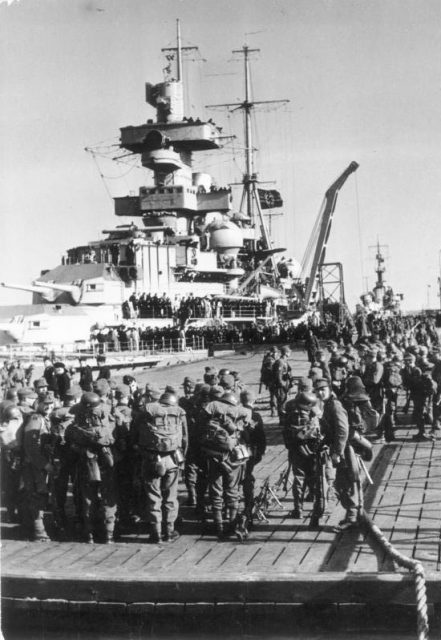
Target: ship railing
(28, 354)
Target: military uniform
(222, 426)
(282, 381)
(160, 435)
(335, 429)
(37, 448)
(91, 437)
(255, 436)
(301, 435)
(124, 462)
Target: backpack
(215, 440)
(162, 432)
(392, 377)
(266, 372)
(362, 417)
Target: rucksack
(215, 440)
(162, 432)
(392, 377)
(362, 417)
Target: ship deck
(282, 563)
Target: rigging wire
(102, 177)
(360, 235)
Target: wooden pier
(283, 563)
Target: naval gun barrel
(73, 289)
(21, 287)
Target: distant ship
(382, 299)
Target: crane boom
(326, 215)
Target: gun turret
(74, 290)
(47, 290)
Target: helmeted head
(247, 398)
(355, 389)
(101, 387)
(59, 368)
(90, 400)
(168, 399)
(11, 412)
(152, 392)
(285, 351)
(216, 392)
(41, 385)
(12, 395)
(46, 404)
(322, 388)
(227, 381)
(305, 384)
(26, 395)
(229, 398)
(189, 385)
(122, 393)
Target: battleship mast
(250, 201)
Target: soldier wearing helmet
(124, 463)
(257, 442)
(10, 424)
(335, 430)
(301, 434)
(266, 376)
(160, 435)
(282, 381)
(91, 437)
(222, 424)
(37, 447)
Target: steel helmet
(168, 399)
(90, 400)
(229, 398)
(11, 413)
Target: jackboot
(155, 534)
(191, 500)
(218, 524)
(171, 535)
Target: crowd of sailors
(122, 449)
(126, 337)
(183, 308)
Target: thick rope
(413, 565)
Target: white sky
(364, 83)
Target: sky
(363, 80)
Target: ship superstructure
(189, 241)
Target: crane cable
(360, 234)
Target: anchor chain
(409, 563)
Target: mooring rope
(409, 563)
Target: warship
(188, 240)
(382, 300)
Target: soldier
(62, 380)
(86, 376)
(425, 389)
(282, 381)
(91, 437)
(64, 461)
(301, 434)
(11, 399)
(160, 435)
(37, 448)
(373, 381)
(187, 402)
(392, 382)
(26, 400)
(257, 442)
(335, 430)
(266, 376)
(436, 375)
(122, 414)
(222, 426)
(10, 453)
